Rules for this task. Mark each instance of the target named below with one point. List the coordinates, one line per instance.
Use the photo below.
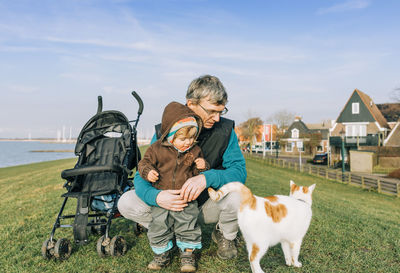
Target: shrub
(395, 174)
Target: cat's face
(301, 192)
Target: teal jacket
(234, 170)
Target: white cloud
(102, 43)
(345, 6)
(22, 89)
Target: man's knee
(231, 202)
(123, 202)
(131, 206)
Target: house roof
(297, 124)
(322, 127)
(370, 106)
(394, 137)
(319, 126)
(373, 109)
(391, 111)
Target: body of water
(14, 153)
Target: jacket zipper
(174, 173)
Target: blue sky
(306, 57)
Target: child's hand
(152, 176)
(200, 163)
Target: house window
(356, 130)
(363, 130)
(295, 133)
(320, 149)
(355, 108)
(289, 147)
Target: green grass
(352, 230)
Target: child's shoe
(188, 260)
(159, 261)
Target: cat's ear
(312, 187)
(291, 183)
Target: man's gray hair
(205, 86)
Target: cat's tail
(245, 192)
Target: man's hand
(193, 187)
(171, 200)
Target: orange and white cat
(265, 222)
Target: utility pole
(270, 146)
(263, 140)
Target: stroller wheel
(99, 229)
(103, 246)
(118, 246)
(62, 249)
(48, 249)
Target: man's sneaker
(226, 248)
(160, 260)
(188, 260)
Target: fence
(381, 185)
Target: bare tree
(315, 141)
(250, 129)
(281, 118)
(395, 94)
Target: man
(206, 96)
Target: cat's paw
(297, 264)
(213, 194)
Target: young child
(168, 163)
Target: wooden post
(362, 182)
(337, 179)
(379, 185)
(398, 189)
(326, 173)
(349, 178)
(295, 166)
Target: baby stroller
(107, 152)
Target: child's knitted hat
(188, 121)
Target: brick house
(307, 138)
(360, 123)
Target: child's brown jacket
(174, 167)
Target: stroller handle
(139, 100)
(99, 104)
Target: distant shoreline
(46, 140)
(51, 151)
(140, 142)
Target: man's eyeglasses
(213, 113)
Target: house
(323, 129)
(263, 133)
(393, 139)
(391, 111)
(360, 123)
(307, 138)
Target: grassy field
(352, 230)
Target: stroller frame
(81, 178)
